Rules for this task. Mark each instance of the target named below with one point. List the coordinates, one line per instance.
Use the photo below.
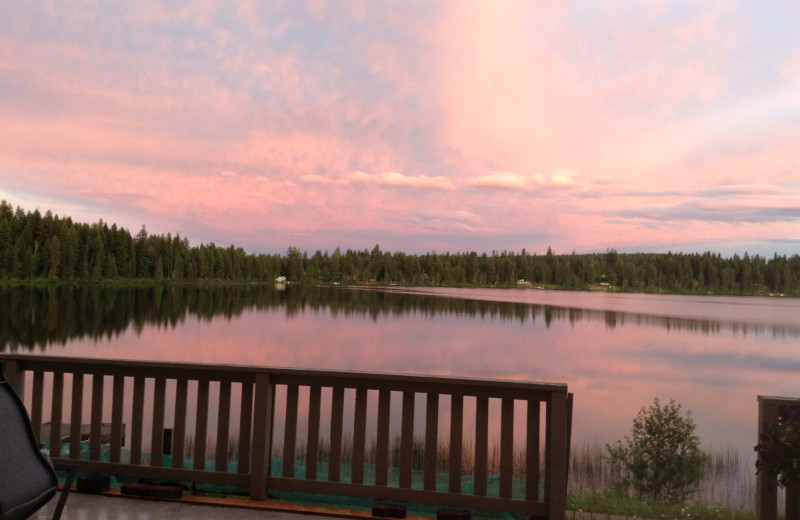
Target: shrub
(662, 459)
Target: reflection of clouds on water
(776, 317)
(616, 352)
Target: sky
(417, 126)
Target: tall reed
(728, 481)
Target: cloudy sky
(418, 126)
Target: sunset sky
(419, 126)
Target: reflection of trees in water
(34, 318)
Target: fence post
(556, 472)
(766, 483)
(262, 436)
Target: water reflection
(34, 318)
(617, 352)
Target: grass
(609, 503)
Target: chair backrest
(27, 478)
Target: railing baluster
(314, 405)
(37, 403)
(157, 431)
(137, 420)
(431, 440)
(117, 433)
(223, 425)
(96, 428)
(56, 411)
(76, 416)
(290, 431)
(337, 420)
(481, 444)
(407, 440)
(179, 427)
(456, 436)
(245, 427)
(506, 447)
(201, 427)
(359, 436)
(532, 451)
(382, 446)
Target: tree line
(36, 247)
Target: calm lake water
(617, 352)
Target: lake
(617, 352)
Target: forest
(43, 248)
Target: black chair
(28, 479)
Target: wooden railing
(224, 419)
(769, 410)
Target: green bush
(662, 459)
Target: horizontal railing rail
(455, 442)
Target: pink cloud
(502, 180)
(398, 179)
(515, 181)
(485, 121)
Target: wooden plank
(234, 373)
(117, 435)
(382, 441)
(262, 436)
(95, 437)
(179, 426)
(37, 403)
(201, 427)
(245, 427)
(314, 405)
(223, 426)
(481, 445)
(337, 420)
(77, 416)
(431, 441)
(158, 473)
(456, 440)
(290, 431)
(532, 451)
(407, 440)
(157, 430)
(419, 496)
(137, 420)
(359, 436)
(506, 447)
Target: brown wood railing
(230, 414)
(769, 410)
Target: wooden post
(15, 376)
(793, 502)
(556, 460)
(767, 483)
